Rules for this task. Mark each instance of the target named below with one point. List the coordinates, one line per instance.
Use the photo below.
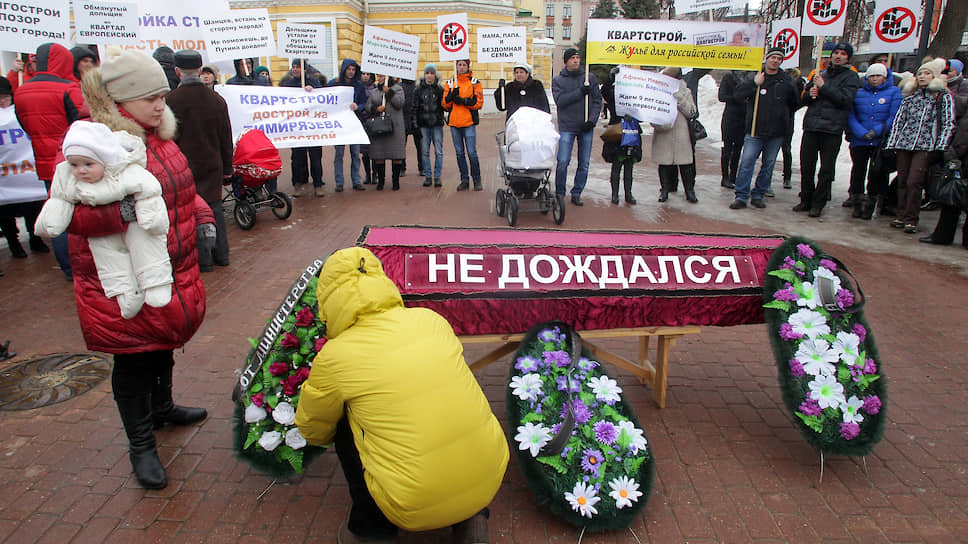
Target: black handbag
(381, 124)
(696, 130)
(884, 160)
(951, 189)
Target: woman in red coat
(128, 93)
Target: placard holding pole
(502, 44)
(390, 53)
(823, 17)
(453, 37)
(895, 26)
(239, 34)
(785, 33)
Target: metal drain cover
(50, 379)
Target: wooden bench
(655, 374)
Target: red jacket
(48, 104)
(152, 329)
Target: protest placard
(106, 23)
(390, 53)
(175, 23)
(823, 17)
(30, 23)
(292, 117)
(691, 6)
(453, 37)
(502, 44)
(647, 96)
(785, 33)
(895, 26)
(239, 34)
(302, 40)
(18, 175)
(646, 42)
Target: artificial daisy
(625, 491)
(847, 347)
(809, 323)
(606, 389)
(851, 409)
(634, 437)
(827, 391)
(809, 295)
(583, 499)
(532, 437)
(526, 387)
(817, 357)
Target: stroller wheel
(281, 205)
(244, 214)
(513, 210)
(500, 202)
(558, 209)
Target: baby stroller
(255, 167)
(527, 157)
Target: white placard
(647, 96)
(785, 33)
(691, 6)
(292, 117)
(502, 44)
(106, 23)
(823, 17)
(30, 23)
(453, 37)
(175, 23)
(239, 34)
(390, 53)
(302, 40)
(18, 176)
(895, 26)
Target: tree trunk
(948, 38)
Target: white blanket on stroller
(531, 141)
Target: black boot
(136, 418)
(664, 181)
(397, 169)
(164, 410)
(613, 179)
(380, 173)
(368, 180)
(627, 182)
(859, 203)
(689, 182)
(868, 209)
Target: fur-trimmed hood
(105, 110)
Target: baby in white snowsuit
(103, 167)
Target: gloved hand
(587, 126)
(870, 135)
(470, 100)
(585, 89)
(500, 83)
(453, 95)
(128, 212)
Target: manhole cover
(50, 379)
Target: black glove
(470, 100)
(585, 89)
(500, 83)
(870, 135)
(589, 125)
(128, 214)
(453, 95)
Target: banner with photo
(292, 117)
(694, 44)
(647, 96)
(106, 23)
(239, 34)
(895, 26)
(18, 173)
(30, 23)
(785, 33)
(502, 44)
(390, 53)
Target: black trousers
(307, 161)
(787, 151)
(418, 143)
(944, 231)
(826, 147)
(134, 374)
(862, 166)
(366, 518)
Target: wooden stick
(504, 98)
(586, 96)
(756, 107)
(302, 71)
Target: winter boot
(164, 410)
(689, 183)
(867, 210)
(664, 171)
(136, 418)
(613, 180)
(368, 180)
(627, 182)
(859, 203)
(380, 173)
(397, 170)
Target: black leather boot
(368, 180)
(380, 173)
(613, 180)
(859, 203)
(627, 182)
(165, 411)
(869, 205)
(664, 182)
(136, 418)
(689, 182)
(396, 169)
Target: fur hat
(133, 75)
(524, 66)
(570, 52)
(935, 66)
(91, 140)
(188, 59)
(876, 69)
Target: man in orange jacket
(463, 97)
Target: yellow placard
(666, 54)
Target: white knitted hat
(92, 140)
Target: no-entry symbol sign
(895, 26)
(788, 40)
(452, 37)
(786, 35)
(823, 17)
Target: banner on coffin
(502, 44)
(30, 23)
(18, 174)
(895, 27)
(390, 53)
(647, 96)
(785, 33)
(106, 23)
(292, 117)
(730, 46)
(239, 34)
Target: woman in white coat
(672, 146)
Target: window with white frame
(566, 32)
(550, 31)
(549, 10)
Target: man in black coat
(205, 138)
(732, 125)
(829, 96)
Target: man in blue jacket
(349, 76)
(875, 106)
(575, 121)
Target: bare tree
(948, 37)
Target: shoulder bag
(381, 124)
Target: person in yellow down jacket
(414, 433)
(463, 97)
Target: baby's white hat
(92, 140)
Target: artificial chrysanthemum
(583, 499)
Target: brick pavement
(730, 465)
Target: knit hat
(570, 52)
(188, 59)
(431, 68)
(935, 66)
(212, 69)
(91, 140)
(845, 47)
(957, 66)
(5, 88)
(524, 66)
(133, 75)
(876, 69)
(775, 51)
(260, 69)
